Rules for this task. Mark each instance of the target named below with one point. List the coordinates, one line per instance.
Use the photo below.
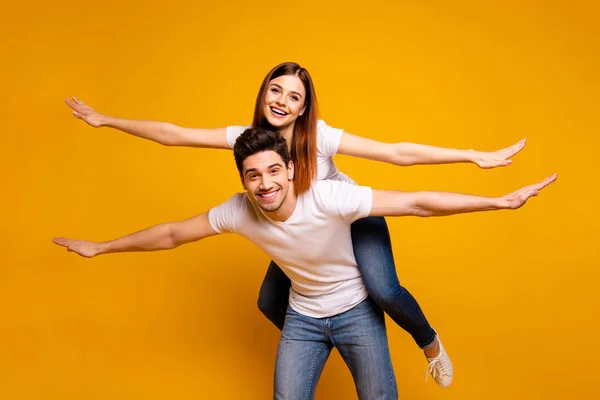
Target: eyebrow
(269, 167)
(279, 86)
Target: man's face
(267, 179)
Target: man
(308, 236)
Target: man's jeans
(359, 335)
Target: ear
(290, 171)
(303, 109)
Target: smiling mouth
(278, 112)
(268, 196)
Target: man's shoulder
(334, 191)
(238, 201)
(329, 184)
(330, 190)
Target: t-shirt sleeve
(224, 217)
(328, 139)
(233, 132)
(351, 202)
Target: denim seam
(392, 381)
(312, 373)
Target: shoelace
(436, 368)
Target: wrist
(105, 120)
(102, 248)
(500, 203)
(472, 156)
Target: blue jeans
(359, 335)
(373, 253)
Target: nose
(281, 100)
(265, 182)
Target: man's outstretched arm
(432, 204)
(159, 237)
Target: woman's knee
(387, 298)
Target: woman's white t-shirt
(328, 142)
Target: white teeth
(268, 196)
(278, 112)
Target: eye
(274, 90)
(275, 171)
(295, 98)
(253, 176)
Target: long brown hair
(304, 142)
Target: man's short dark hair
(257, 140)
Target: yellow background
(514, 295)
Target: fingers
(79, 116)
(545, 182)
(499, 163)
(517, 145)
(70, 103)
(520, 197)
(70, 245)
(511, 148)
(514, 149)
(75, 103)
(61, 241)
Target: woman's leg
(373, 252)
(274, 295)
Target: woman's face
(285, 101)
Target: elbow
(172, 238)
(169, 135)
(401, 156)
(419, 209)
(421, 212)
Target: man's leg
(301, 356)
(360, 336)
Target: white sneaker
(440, 368)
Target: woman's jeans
(373, 253)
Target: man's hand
(85, 112)
(500, 158)
(81, 247)
(518, 198)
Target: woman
(287, 103)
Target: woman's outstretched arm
(414, 154)
(161, 132)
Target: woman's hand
(85, 112)
(500, 158)
(82, 247)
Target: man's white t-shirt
(313, 247)
(328, 142)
